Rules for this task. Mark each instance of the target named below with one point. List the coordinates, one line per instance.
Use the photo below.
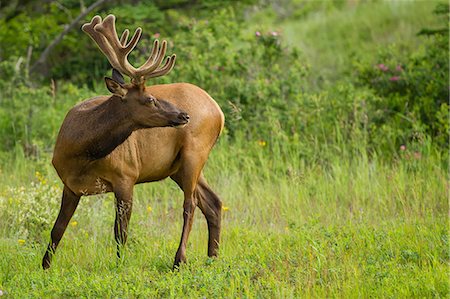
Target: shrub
(413, 91)
(31, 208)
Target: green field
(334, 209)
(354, 228)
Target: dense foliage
(394, 97)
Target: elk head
(144, 109)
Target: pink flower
(402, 147)
(417, 155)
(394, 79)
(383, 67)
(156, 35)
(399, 68)
(257, 34)
(274, 33)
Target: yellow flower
(225, 208)
(149, 209)
(21, 241)
(74, 223)
(40, 178)
(262, 143)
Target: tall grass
(349, 227)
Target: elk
(136, 135)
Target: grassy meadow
(303, 216)
(351, 228)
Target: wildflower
(149, 209)
(257, 34)
(40, 178)
(274, 33)
(383, 67)
(402, 147)
(74, 223)
(394, 78)
(262, 143)
(21, 242)
(399, 68)
(156, 35)
(225, 208)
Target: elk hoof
(46, 262)
(178, 260)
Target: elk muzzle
(181, 121)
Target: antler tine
(155, 50)
(124, 37)
(133, 42)
(168, 66)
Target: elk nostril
(184, 116)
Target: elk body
(139, 134)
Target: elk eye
(150, 101)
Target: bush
(31, 209)
(31, 117)
(413, 92)
(254, 78)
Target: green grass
(349, 228)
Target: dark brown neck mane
(104, 127)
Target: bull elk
(138, 134)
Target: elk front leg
(124, 204)
(69, 204)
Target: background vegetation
(332, 167)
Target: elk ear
(117, 76)
(115, 87)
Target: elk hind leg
(211, 206)
(69, 203)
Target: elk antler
(105, 36)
